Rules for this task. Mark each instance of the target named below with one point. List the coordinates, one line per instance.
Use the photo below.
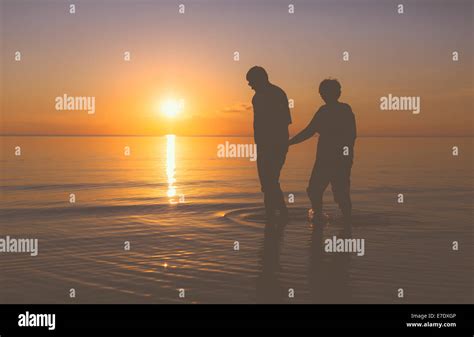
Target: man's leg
(317, 184)
(279, 197)
(270, 161)
(266, 175)
(341, 185)
(262, 175)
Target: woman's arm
(307, 132)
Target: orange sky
(190, 57)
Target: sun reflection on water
(171, 167)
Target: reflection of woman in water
(329, 280)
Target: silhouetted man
(270, 124)
(336, 126)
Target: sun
(171, 107)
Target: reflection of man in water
(271, 120)
(336, 126)
(268, 281)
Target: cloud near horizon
(237, 108)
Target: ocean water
(184, 210)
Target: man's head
(330, 90)
(257, 78)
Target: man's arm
(285, 108)
(307, 132)
(353, 129)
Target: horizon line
(215, 136)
